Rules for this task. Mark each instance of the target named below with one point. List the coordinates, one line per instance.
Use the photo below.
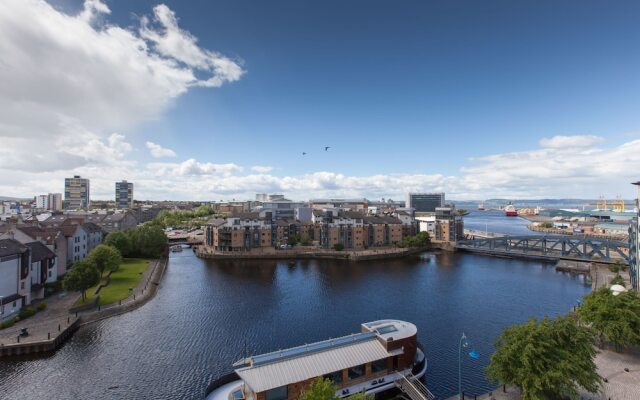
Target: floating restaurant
(383, 356)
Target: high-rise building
(76, 193)
(51, 201)
(425, 202)
(55, 201)
(634, 244)
(124, 194)
(42, 202)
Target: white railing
(413, 388)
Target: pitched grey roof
(9, 247)
(39, 251)
(90, 227)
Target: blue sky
(425, 90)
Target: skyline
(463, 98)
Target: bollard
(504, 388)
(18, 337)
(98, 307)
(67, 320)
(134, 296)
(119, 302)
(76, 314)
(58, 327)
(48, 335)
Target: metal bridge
(551, 247)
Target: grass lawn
(128, 275)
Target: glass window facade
(356, 372)
(379, 365)
(280, 393)
(335, 377)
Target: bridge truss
(550, 246)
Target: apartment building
(15, 281)
(425, 202)
(77, 193)
(449, 226)
(124, 194)
(327, 228)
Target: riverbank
(49, 329)
(307, 252)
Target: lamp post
(1, 308)
(473, 354)
(463, 343)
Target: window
(379, 365)
(21, 287)
(335, 377)
(356, 372)
(280, 393)
(49, 274)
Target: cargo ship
(510, 211)
(385, 355)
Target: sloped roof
(39, 251)
(90, 227)
(9, 247)
(216, 222)
(304, 366)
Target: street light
(473, 354)
(1, 308)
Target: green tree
(319, 389)
(293, 240)
(323, 389)
(546, 359)
(338, 247)
(148, 240)
(83, 275)
(121, 241)
(421, 239)
(615, 319)
(106, 258)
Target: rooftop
(9, 247)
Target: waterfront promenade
(50, 327)
(620, 372)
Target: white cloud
(158, 151)
(191, 167)
(69, 81)
(261, 169)
(558, 142)
(171, 41)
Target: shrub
(615, 268)
(17, 319)
(27, 312)
(338, 247)
(42, 306)
(8, 323)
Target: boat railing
(413, 388)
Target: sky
(219, 100)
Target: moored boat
(176, 248)
(383, 356)
(510, 211)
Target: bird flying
(326, 148)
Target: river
(207, 314)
